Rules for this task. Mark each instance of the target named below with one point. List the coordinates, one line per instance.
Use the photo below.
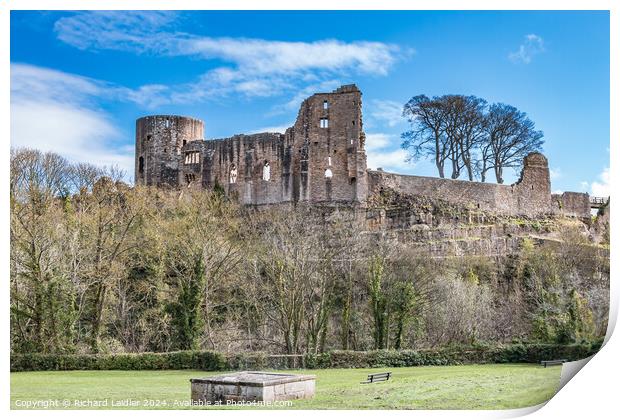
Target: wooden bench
(377, 377)
(546, 363)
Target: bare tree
(470, 129)
(42, 312)
(83, 176)
(427, 135)
(511, 136)
(458, 129)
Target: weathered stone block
(252, 386)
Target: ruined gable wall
(531, 196)
(334, 145)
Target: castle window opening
(189, 178)
(266, 171)
(167, 123)
(192, 157)
(184, 142)
(324, 123)
(233, 174)
(325, 104)
(329, 161)
(328, 173)
(141, 164)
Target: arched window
(328, 173)
(233, 174)
(266, 171)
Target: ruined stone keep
(322, 160)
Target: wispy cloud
(601, 187)
(272, 129)
(531, 46)
(135, 31)
(389, 112)
(383, 151)
(245, 66)
(152, 32)
(55, 111)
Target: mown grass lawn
(429, 387)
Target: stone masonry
(251, 387)
(322, 160)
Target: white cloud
(388, 111)
(125, 30)
(555, 173)
(55, 111)
(600, 187)
(377, 141)
(392, 160)
(251, 67)
(272, 129)
(383, 151)
(151, 32)
(293, 103)
(531, 46)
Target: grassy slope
(432, 387)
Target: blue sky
(80, 79)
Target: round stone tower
(159, 139)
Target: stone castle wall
(321, 159)
(530, 196)
(238, 165)
(571, 204)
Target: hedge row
(204, 360)
(213, 361)
(514, 353)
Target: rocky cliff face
(442, 229)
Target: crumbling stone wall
(530, 196)
(572, 204)
(239, 165)
(329, 143)
(322, 160)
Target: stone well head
(249, 386)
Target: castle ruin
(321, 160)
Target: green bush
(213, 361)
